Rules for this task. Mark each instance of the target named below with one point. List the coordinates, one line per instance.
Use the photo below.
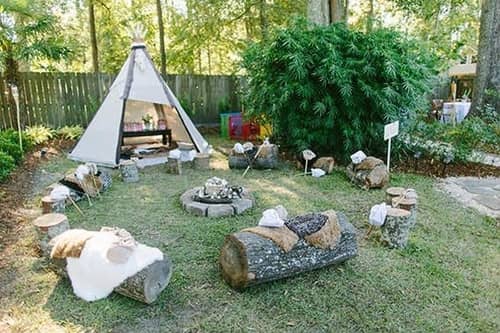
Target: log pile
(251, 256)
(267, 158)
(370, 173)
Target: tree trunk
(161, 32)
(318, 12)
(263, 19)
(248, 259)
(396, 228)
(487, 82)
(93, 37)
(337, 11)
(371, 16)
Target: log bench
(248, 259)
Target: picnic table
(459, 109)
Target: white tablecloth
(461, 110)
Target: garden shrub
(39, 134)
(11, 149)
(7, 164)
(70, 132)
(332, 89)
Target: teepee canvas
(137, 90)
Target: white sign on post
(390, 131)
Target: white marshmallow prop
(282, 212)
(358, 157)
(307, 155)
(247, 146)
(61, 192)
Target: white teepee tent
(138, 89)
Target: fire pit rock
(217, 198)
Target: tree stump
(408, 204)
(50, 205)
(248, 259)
(202, 162)
(396, 229)
(48, 227)
(174, 166)
(393, 192)
(129, 171)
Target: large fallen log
(248, 259)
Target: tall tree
(93, 37)
(325, 12)
(487, 82)
(161, 32)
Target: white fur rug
(94, 277)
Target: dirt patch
(432, 167)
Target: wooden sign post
(390, 131)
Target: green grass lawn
(446, 280)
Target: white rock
(378, 214)
(358, 157)
(317, 172)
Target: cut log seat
(248, 259)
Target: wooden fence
(60, 99)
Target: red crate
(251, 131)
(236, 126)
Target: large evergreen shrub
(332, 89)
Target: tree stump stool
(129, 171)
(202, 162)
(408, 204)
(173, 166)
(48, 227)
(393, 192)
(396, 229)
(50, 205)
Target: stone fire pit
(217, 198)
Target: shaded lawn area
(446, 280)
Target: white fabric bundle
(358, 157)
(317, 172)
(59, 193)
(81, 171)
(274, 217)
(93, 276)
(378, 214)
(247, 146)
(238, 148)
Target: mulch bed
(16, 190)
(431, 167)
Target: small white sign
(391, 130)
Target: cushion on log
(70, 243)
(283, 237)
(329, 235)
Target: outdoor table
(164, 133)
(461, 110)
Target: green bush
(39, 134)
(332, 89)
(13, 137)
(70, 132)
(11, 149)
(7, 164)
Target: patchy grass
(446, 280)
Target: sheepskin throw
(94, 276)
